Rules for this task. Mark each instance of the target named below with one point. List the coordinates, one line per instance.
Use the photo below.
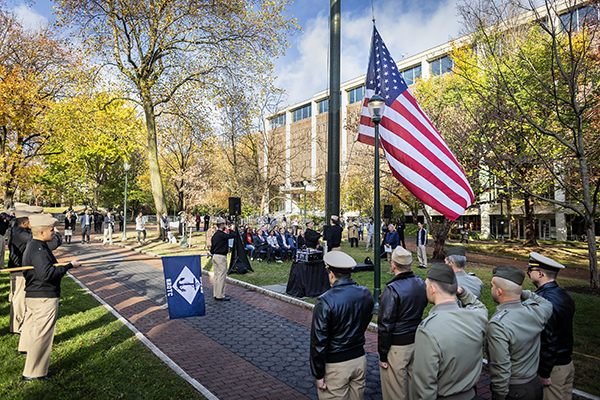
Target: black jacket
(16, 246)
(423, 233)
(340, 319)
(44, 280)
(557, 338)
(220, 242)
(312, 238)
(334, 237)
(401, 308)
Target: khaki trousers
(220, 270)
(397, 378)
(562, 383)
(108, 233)
(422, 255)
(345, 380)
(43, 313)
(16, 298)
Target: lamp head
(126, 166)
(376, 106)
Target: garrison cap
(454, 251)
(401, 256)
(308, 221)
(442, 273)
(220, 221)
(510, 273)
(18, 205)
(538, 260)
(340, 261)
(34, 209)
(335, 218)
(42, 220)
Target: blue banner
(183, 281)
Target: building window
(278, 121)
(356, 94)
(574, 20)
(323, 106)
(441, 66)
(412, 74)
(301, 113)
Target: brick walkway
(253, 347)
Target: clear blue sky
(407, 26)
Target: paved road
(253, 347)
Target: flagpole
(332, 192)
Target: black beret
(442, 273)
(511, 273)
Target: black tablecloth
(307, 279)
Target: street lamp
(305, 183)
(376, 106)
(124, 237)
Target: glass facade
(412, 74)
(278, 121)
(441, 66)
(356, 94)
(323, 106)
(301, 113)
(576, 19)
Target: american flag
(417, 154)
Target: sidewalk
(253, 347)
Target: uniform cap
(511, 273)
(34, 209)
(335, 218)
(21, 213)
(401, 256)
(42, 220)
(538, 260)
(18, 205)
(339, 260)
(308, 221)
(455, 251)
(220, 221)
(442, 273)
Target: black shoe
(39, 378)
(224, 298)
(23, 353)
(421, 267)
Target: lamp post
(124, 237)
(305, 183)
(376, 106)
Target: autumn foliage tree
(161, 48)
(35, 68)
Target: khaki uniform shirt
(353, 232)
(513, 341)
(448, 352)
(469, 281)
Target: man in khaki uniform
(456, 258)
(448, 356)
(401, 308)
(42, 292)
(513, 337)
(19, 238)
(556, 369)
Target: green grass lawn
(94, 357)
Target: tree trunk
(9, 194)
(514, 229)
(591, 239)
(530, 237)
(153, 164)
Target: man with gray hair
(455, 257)
(401, 307)
(513, 337)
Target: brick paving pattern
(253, 347)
